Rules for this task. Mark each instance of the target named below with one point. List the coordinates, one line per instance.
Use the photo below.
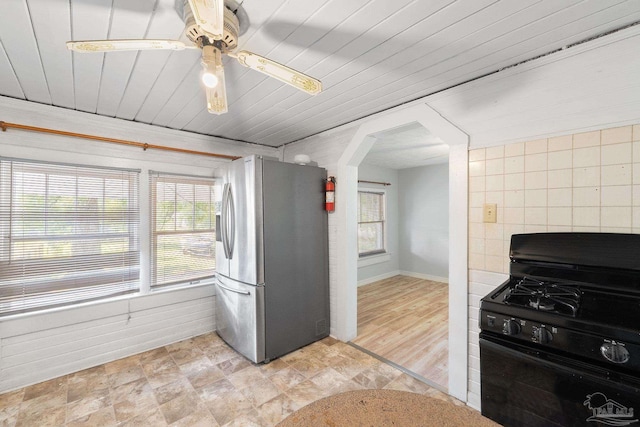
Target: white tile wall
(583, 182)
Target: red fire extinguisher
(330, 194)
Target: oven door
(524, 386)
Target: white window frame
(384, 252)
(177, 178)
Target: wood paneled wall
(38, 347)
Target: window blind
(68, 234)
(183, 238)
(371, 223)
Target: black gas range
(560, 339)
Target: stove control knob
(541, 335)
(511, 327)
(614, 352)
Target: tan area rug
(384, 408)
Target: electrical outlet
(490, 212)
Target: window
(183, 237)
(371, 223)
(67, 234)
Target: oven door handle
(539, 356)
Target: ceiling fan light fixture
(209, 79)
(212, 66)
(217, 100)
(213, 79)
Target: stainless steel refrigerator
(272, 271)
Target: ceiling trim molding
(43, 115)
(540, 61)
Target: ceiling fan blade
(118, 45)
(209, 16)
(281, 72)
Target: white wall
(38, 346)
(417, 223)
(587, 87)
(480, 284)
(424, 221)
(378, 267)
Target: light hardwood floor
(405, 320)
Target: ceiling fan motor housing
(229, 36)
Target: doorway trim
(346, 316)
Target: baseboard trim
(377, 278)
(424, 276)
(402, 273)
(473, 406)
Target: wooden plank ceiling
(370, 55)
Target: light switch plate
(490, 212)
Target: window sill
(374, 259)
(186, 285)
(95, 305)
(117, 311)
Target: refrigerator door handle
(231, 239)
(224, 225)
(234, 290)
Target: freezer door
(245, 224)
(240, 317)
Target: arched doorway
(346, 209)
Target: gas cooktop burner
(545, 296)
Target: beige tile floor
(201, 382)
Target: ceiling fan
(213, 28)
